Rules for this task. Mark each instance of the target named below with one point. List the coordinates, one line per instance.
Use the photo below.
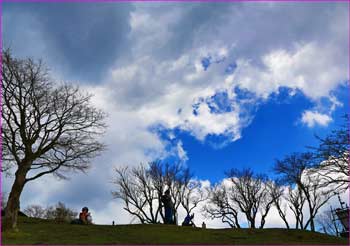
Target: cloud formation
(312, 118)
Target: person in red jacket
(83, 216)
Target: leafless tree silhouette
(47, 129)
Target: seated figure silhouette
(84, 217)
(188, 220)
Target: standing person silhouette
(168, 207)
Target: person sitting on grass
(188, 220)
(84, 217)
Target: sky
(211, 85)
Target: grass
(36, 231)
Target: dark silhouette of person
(168, 207)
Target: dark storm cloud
(260, 28)
(255, 28)
(82, 39)
(195, 17)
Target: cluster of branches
(332, 156)
(142, 187)
(305, 190)
(243, 192)
(59, 212)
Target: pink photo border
(82, 1)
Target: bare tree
(277, 195)
(316, 196)
(158, 182)
(192, 195)
(177, 179)
(138, 194)
(142, 187)
(293, 169)
(333, 158)
(46, 129)
(250, 193)
(296, 200)
(35, 211)
(266, 202)
(220, 206)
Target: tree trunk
(236, 221)
(285, 220)
(262, 223)
(282, 215)
(175, 216)
(13, 203)
(312, 224)
(252, 223)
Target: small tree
(293, 169)
(316, 196)
(251, 194)
(296, 200)
(46, 129)
(135, 188)
(221, 206)
(60, 213)
(192, 195)
(35, 211)
(277, 195)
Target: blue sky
(274, 133)
(214, 85)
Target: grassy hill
(36, 231)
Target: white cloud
(181, 153)
(304, 68)
(165, 92)
(313, 118)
